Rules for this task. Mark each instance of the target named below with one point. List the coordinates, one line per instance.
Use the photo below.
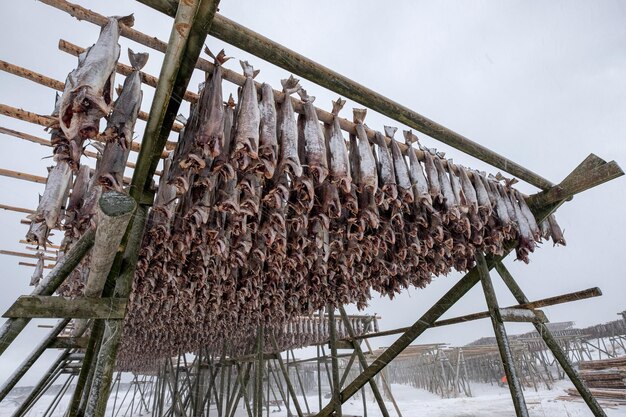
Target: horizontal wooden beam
(520, 315)
(23, 176)
(59, 85)
(65, 342)
(49, 266)
(126, 70)
(16, 209)
(47, 121)
(46, 142)
(545, 302)
(26, 255)
(49, 245)
(38, 306)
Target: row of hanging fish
(262, 216)
(87, 98)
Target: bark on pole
(48, 285)
(30, 360)
(503, 343)
(553, 345)
(114, 212)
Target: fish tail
(128, 21)
(359, 115)
(409, 137)
(137, 60)
(390, 131)
(220, 58)
(290, 85)
(337, 106)
(248, 70)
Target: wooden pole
(46, 121)
(285, 372)
(295, 366)
(46, 142)
(262, 47)
(332, 326)
(26, 255)
(59, 86)
(258, 383)
(23, 176)
(47, 376)
(363, 363)
(48, 285)
(553, 345)
(544, 302)
(31, 358)
(506, 355)
(125, 70)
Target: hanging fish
(339, 164)
(386, 172)
(416, 172)
(120, 127)
(288, 131)
(38, 273)
(555, 231)
(210, 134)
(403, 178)
(367, 165)
(88, 96)
(248, 121)
(79, 193)
(315, 157)
(268, 141)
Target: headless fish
(367, 165)
(339, 163)
(416, 172)
(314, 142)
(288, 131)
(121, 125)
(88, 95)
(248, 121)
(268, 141)
(403, 178)
(210, 136)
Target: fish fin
(290, 85)
(337, 106)
(359, 115)
(137, 60)
(128, 21)
(305, 97)
(231, 101)
(390, 131)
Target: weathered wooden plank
(22, 176)
(520, 315)
(39, 306)
(65, 342)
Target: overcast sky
(543, 83)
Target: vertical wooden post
(258, 383)
(319, 378)
(30, 359)
(552, 344)
(503, 343)
(295, 365)
(332, 326)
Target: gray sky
(542, 83)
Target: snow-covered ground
(488, 401)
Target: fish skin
(52, 199)
(248, 121)
(88, 95)
(120, 127)
(314, 141)
(210, 129)
(403, 178)
(268, 140)
(368, 177)
(338, 161)
(288, 132)
(416, 171)
(79, 192)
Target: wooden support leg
(553, 345)
(332, 326)
(30, 360)
(503, 343)
(306, 403)
(13, 327)
(285, 373)
(258, 382)
(363, 363)
(54, 369)
(83, 384)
